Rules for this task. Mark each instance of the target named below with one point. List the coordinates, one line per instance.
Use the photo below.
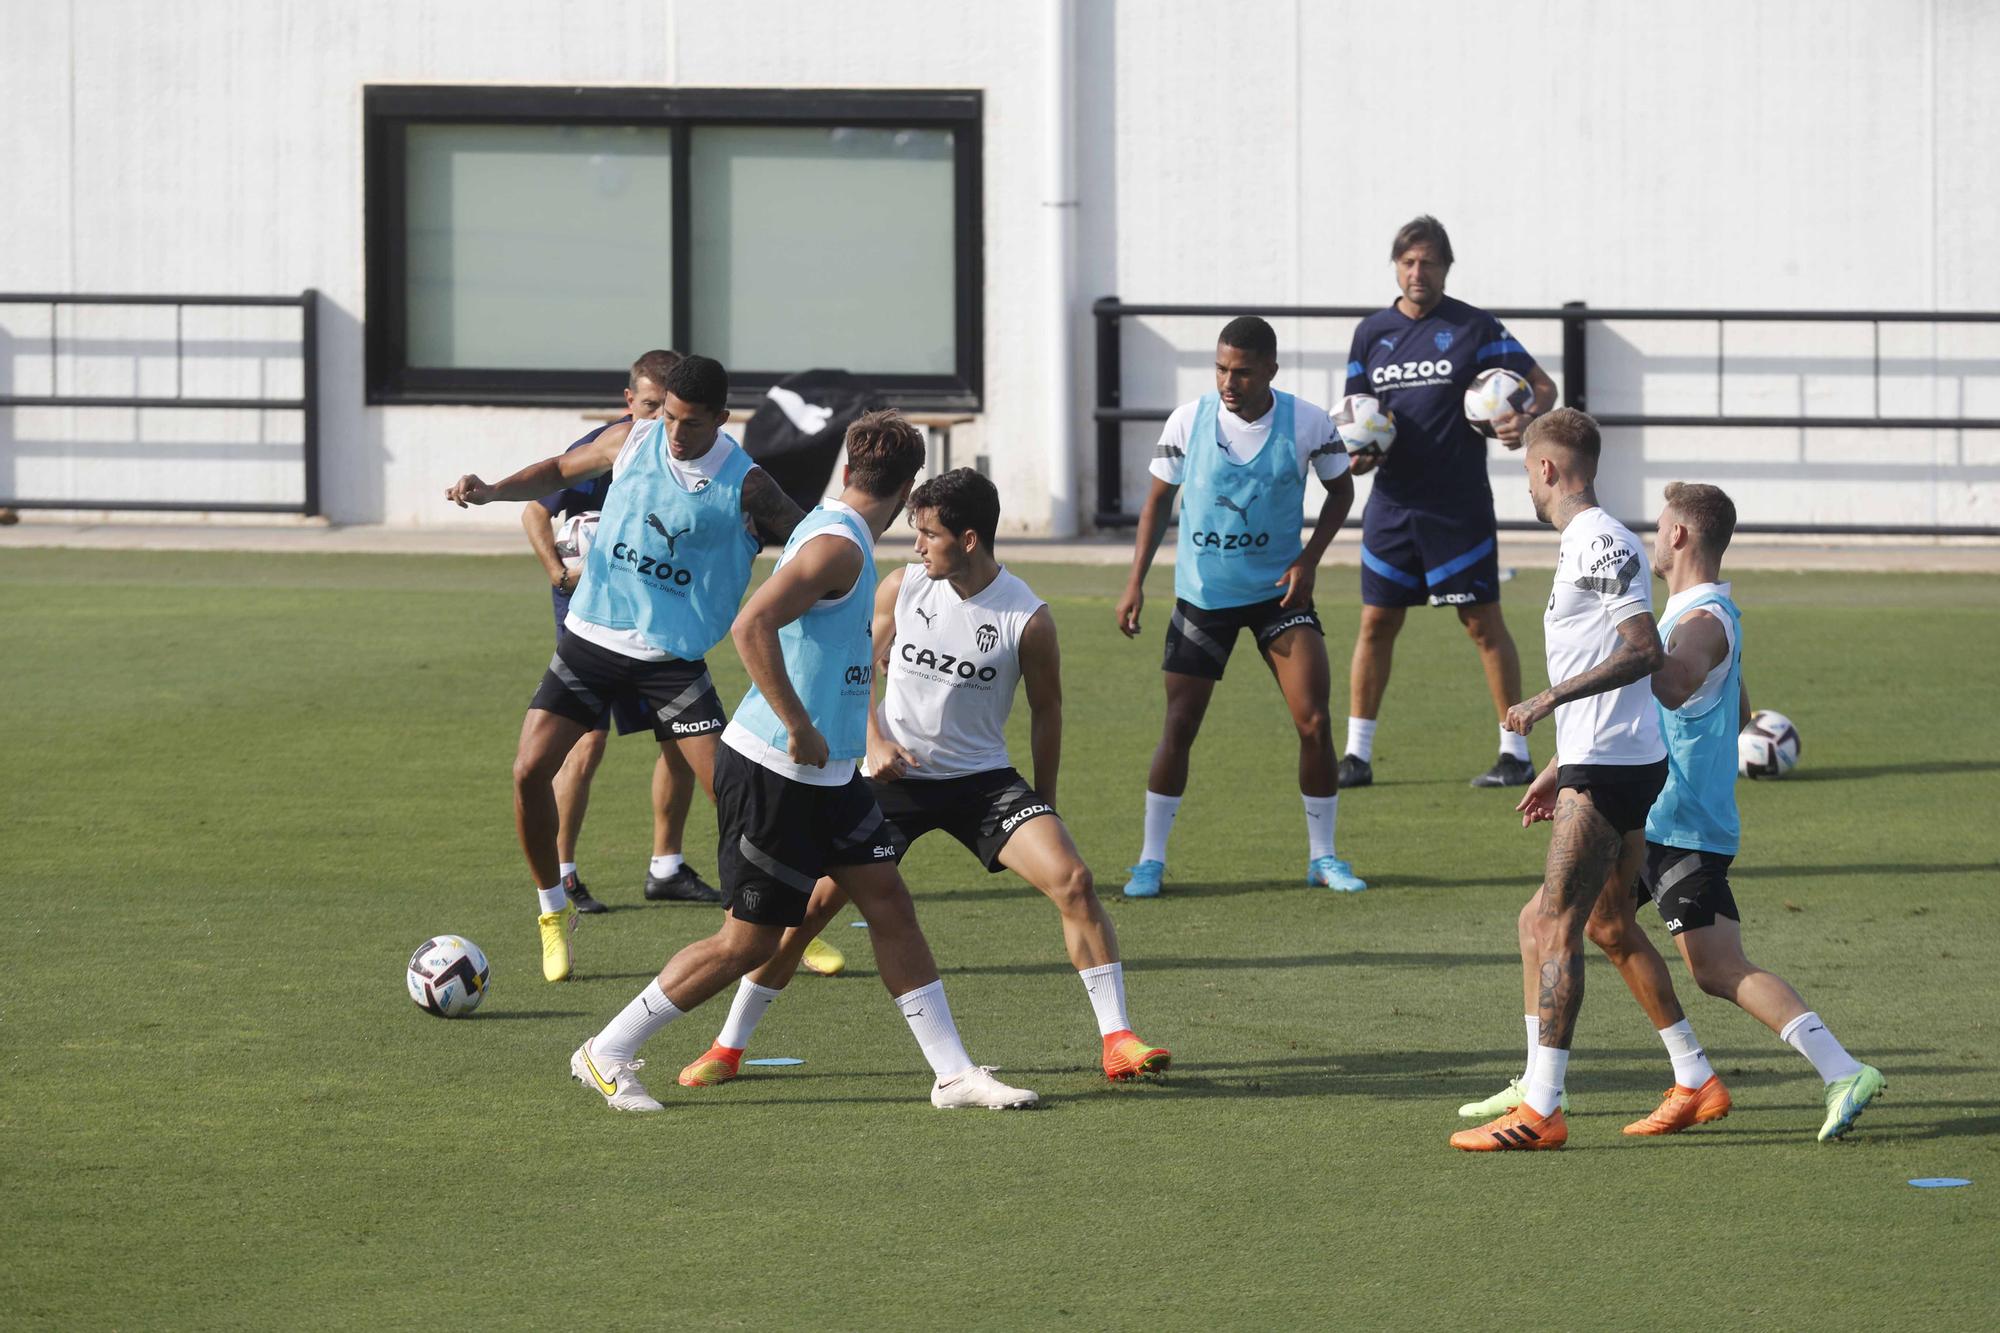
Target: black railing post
(309, 393)
(1576, 357)
(1110, 395)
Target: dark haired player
(953, 636)
(1610, 763)
(789, 799)
(1693, 831)
(659, 588)
(1427, 532)
(668, 877)
(1241, 455)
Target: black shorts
(675, 698)
(1449, 557)
(628, 711)
(1199, 641)
(1622, 793)
(777, 837)
(981, 810)
(1691, 888)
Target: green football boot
(1502, 1102)
(1847, 1098)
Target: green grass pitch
(239, 789)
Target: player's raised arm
(1637, 656)
(887, 761)
(1699, 646)
(550, 474)
(768, 506)
(1152, 528)
(1041, 677)
(818, 569)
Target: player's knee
(1610, 937)
(1181, 728)
(1315, 727)
(1074, 890)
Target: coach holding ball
(1428, 533)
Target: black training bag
(796, 432)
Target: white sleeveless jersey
(952, 672)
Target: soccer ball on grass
(447, 976)
(1768, 747)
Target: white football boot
(614, 1078)
(977, 1087)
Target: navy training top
(1420, 369)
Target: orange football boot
(1125, 1056)
(1517, 1131)
(1682, 1107)
(717, 1065)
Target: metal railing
(1111, 414)
(307, 403)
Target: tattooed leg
(1583, 848)
(1614, 928)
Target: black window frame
(388, 110)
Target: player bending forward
(953, 635)
(791, 805)
(1602, 644)
(1693, 831)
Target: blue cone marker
(859, 925)
(776, 1060)
(1940, 1182)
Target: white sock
(1160, 812)
(1514, 743)
(624, 1035)
(1534, 1022)
(566, 869)
(1106, 986)
(929, 1015)
(1361, 737)
(746, 1011)
(1322, 813)
(1546, 1072)
(553, 900)
(664, 866)
(1808, 1035)
(1691, 1067)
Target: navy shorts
(1413, 556)
(629, 712)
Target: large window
(524, 244)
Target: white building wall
(1787, 154)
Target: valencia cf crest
(1443, 340)
(987, 635)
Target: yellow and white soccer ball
(1768, 747)
(1495, 393)
(1364, 425)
